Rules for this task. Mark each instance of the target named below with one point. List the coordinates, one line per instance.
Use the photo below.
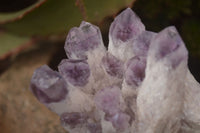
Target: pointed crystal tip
(48, 86)
(168, 44)
(126, 26)
(82, 39)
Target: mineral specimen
(140, 85)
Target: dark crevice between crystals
(58, 55)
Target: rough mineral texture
(140, 85)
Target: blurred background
(32, 33)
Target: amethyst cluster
(141, 84)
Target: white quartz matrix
(141, 84)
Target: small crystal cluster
(141, 84)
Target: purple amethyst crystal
(127, 26)
(95, 128)
(108, 100)
(82, 39)
(75, 72)
(48, 86)
(169, 44)
(141, 44)
(119, 120)
(73, 119)
(140, 85)
(135, 71)
(112, 65)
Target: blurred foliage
(53, 17)
(9, 15)
(7, 42)
(184, 14)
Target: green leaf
(53, 17)
(9, 43)
(9, 17)
(58, 16)
(98, 9)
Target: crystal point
(48, 85)
(82, 39)
(126, 26)
(168, 44)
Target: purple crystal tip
(126, 26)
(82, 39)
(168, 44)
(48, 86)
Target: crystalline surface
(48, 85)
(82, 39)
(135, 71)
(120, 121)
(141, 44)
(73, 119)
(169, 44)
(95, 128)
(75, 72)
(108, 100)
(162, 90)
(112, 65)
(140, 85)
(127, 26)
